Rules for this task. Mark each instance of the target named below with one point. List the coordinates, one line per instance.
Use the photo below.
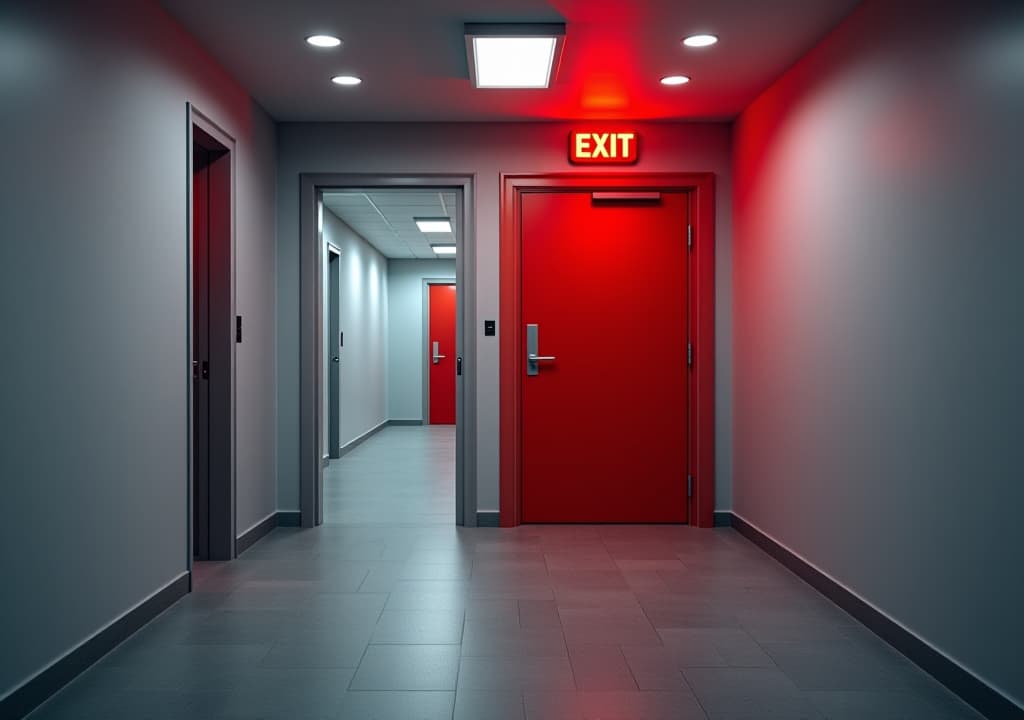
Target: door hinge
(689, 486)
(689, 354)
(689, 236)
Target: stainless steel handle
(533, 360)
(436, 357)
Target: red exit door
(604, 396)
(441, 349)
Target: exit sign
(603, 148)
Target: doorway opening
(332, 346)
(607, 348)
(212, 340)
(373, 247)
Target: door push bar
(533, 360)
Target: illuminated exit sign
(603, 148)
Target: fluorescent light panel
(512, 55)
(434, 225)
(443, 249)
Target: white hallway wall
(407, 344)
(878, 326)
(93, 304)
(363, 285)
(484, 150)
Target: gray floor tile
(842, 665)
(734, 646)
(515, 673)
(607, 626)
(655, 668)
(408, 667)
(488, 705)
(392, 705)
(423, 627)
(319, 652)
(552, 705)
(650, 614)
(600, 667)
(539, 614)
(676, 705)
(749, 694)
(891, 705)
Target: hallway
(389, 612)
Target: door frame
(222, 525)
(333, 333)
(311, 189)
(427, 282)
(701, 321)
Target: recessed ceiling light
(698, 41)
(323, 41)
(443, 249)
(346, 80)
(675, 80)
(512, 55)
(434, 225)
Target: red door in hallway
(441, 349)
(604, 405)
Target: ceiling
(411, 55)
(385, 219)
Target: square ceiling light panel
(514, 55)
(434, 225)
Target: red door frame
(701, 284)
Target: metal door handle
(533, 360)
(436, 355)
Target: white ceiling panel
(386, 218)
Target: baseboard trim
(249, 538)
(959, 680)
(289, 518)
(279, 518)
(723, 518)
(353, 444)
(488, 518)
(48, 681)
(405, 423)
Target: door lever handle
(439, 357)
(538, 358)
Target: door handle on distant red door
(436, 357)
(533, 360)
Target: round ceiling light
(699, 41)
(346, 80)
(675, 80)
(323, 41)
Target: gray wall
(407, 347)
(485, 150)
(93, 300)
(877, 320)
(364, 320)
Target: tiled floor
(389, 612)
